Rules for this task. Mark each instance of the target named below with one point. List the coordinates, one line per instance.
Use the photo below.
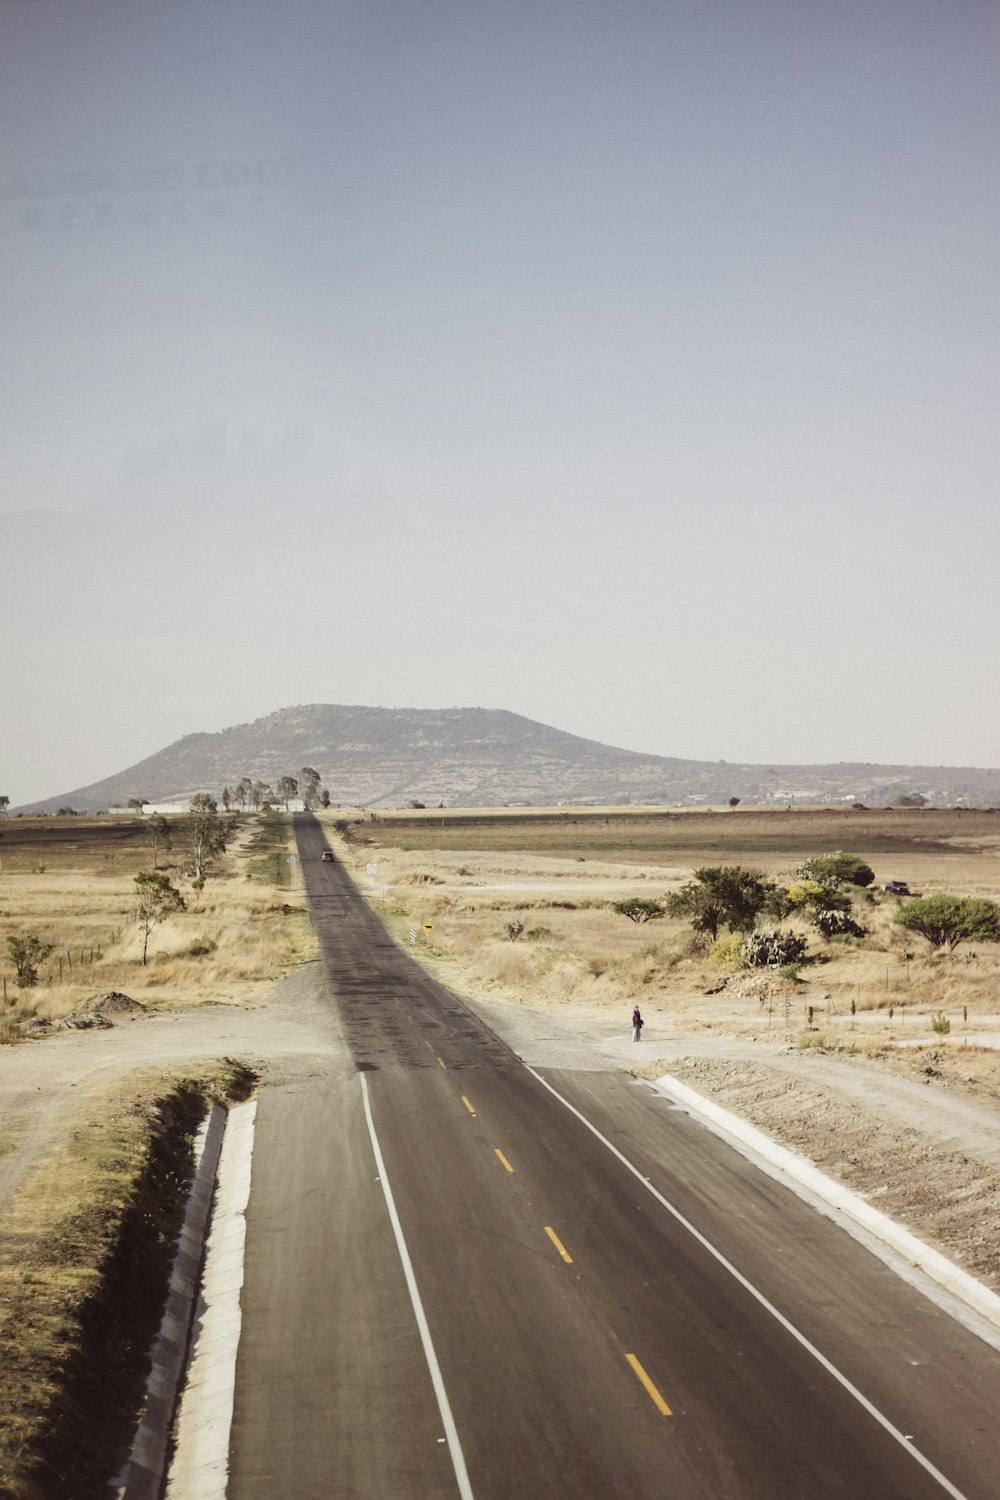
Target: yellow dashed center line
(651, 1390)
(468, 1105)
(503, 1159)
(559, 1244)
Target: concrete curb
(142, 1476)
(938, 1268)
(199, 1468)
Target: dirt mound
(761, 987)
(113, 1003)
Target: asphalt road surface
(466, 1279)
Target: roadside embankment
(85, 1258)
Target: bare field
(770, 839)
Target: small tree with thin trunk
(639, 910)
(309, 781)
(4, 804)
(734, 803)
(287, 789)
(156, 898)
(157, 833)
(260, 792)
(206, 841)
(26, 954)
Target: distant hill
(477, 757)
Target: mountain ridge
(384, 757)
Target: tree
(734, 803)
(26, 954)
(639, 910)
(324, 798)
(830, 868)
(138, 803)
(259, 792)
(243, 789)
(204, 802)
(206, 840)
(287, 789)
(4, 804)
(157, 832)
(910, 799)
(946, 920)
(309, 781)
(226, 798)
(155, 899)
(721, 895)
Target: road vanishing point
(465, 1278)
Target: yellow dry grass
(241, 932)
(88, 1229)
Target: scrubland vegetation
(571, 880)
(239, 928)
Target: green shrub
(831, 868)
(513, 929)
(729, 950)
(941, 1023)
(946, 920)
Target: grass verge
(85, 1256)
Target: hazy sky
(629, 365)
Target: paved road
(634, 1312)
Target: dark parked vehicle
(327, 856)
(897, 888)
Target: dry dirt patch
(948, 1195)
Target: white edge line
(451, 1431)
(758, 1296)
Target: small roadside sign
(373, 869)
(428, 926)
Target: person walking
(637, 1024)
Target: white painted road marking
(451, 1431)
(758, 1296)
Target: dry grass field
(71, 883)
(560, 873)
